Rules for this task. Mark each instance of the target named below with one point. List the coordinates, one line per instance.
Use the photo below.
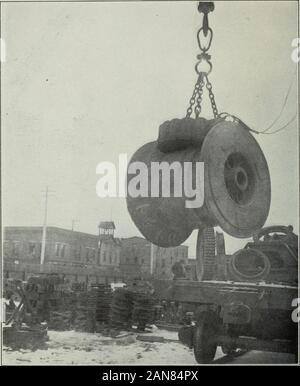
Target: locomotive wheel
(229, 350)
(205, 254)
(249, 265)
(204, 341)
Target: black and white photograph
(149, 185)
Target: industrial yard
(150, 217)
(70, 347)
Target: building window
(6, 248)
(104, 256)
(16, 248)
(31, 247)
(135, 259)
(77, 253)
(90, 255)
(60, 249)
(110, 258)
(34, 248)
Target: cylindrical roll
(236, 181)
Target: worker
(178, 270)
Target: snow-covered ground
(70, 347)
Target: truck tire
(204, 342)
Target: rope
(265, 131)
(281, 111)
(280, 129)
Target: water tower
(106, 229)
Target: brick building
(165, 258)
(62, 246)
(80, 257)
(77, 252)
(136, 258)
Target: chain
(199, 98)
(211, 97)
(192, 101)
(196, 98)
(203, 59)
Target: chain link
(211, 97)
(192, 101)
(199, 99)
(196, 98)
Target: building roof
(107, 225)
(49, 229)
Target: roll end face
(237, 179)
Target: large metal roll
(237, 181)
(162, 220)
(236, 187)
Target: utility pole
(74, 221)
(151, 258)
(44, 227)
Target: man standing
(178, 270)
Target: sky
(85, 82)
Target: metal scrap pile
(25, 325)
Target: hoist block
(235, 182)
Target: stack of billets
(121, 309)
(143, 310)
(93, 309)
(103, 304)
(60, 320)
(62, 316)
(84, 314)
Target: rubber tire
(204, 347)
